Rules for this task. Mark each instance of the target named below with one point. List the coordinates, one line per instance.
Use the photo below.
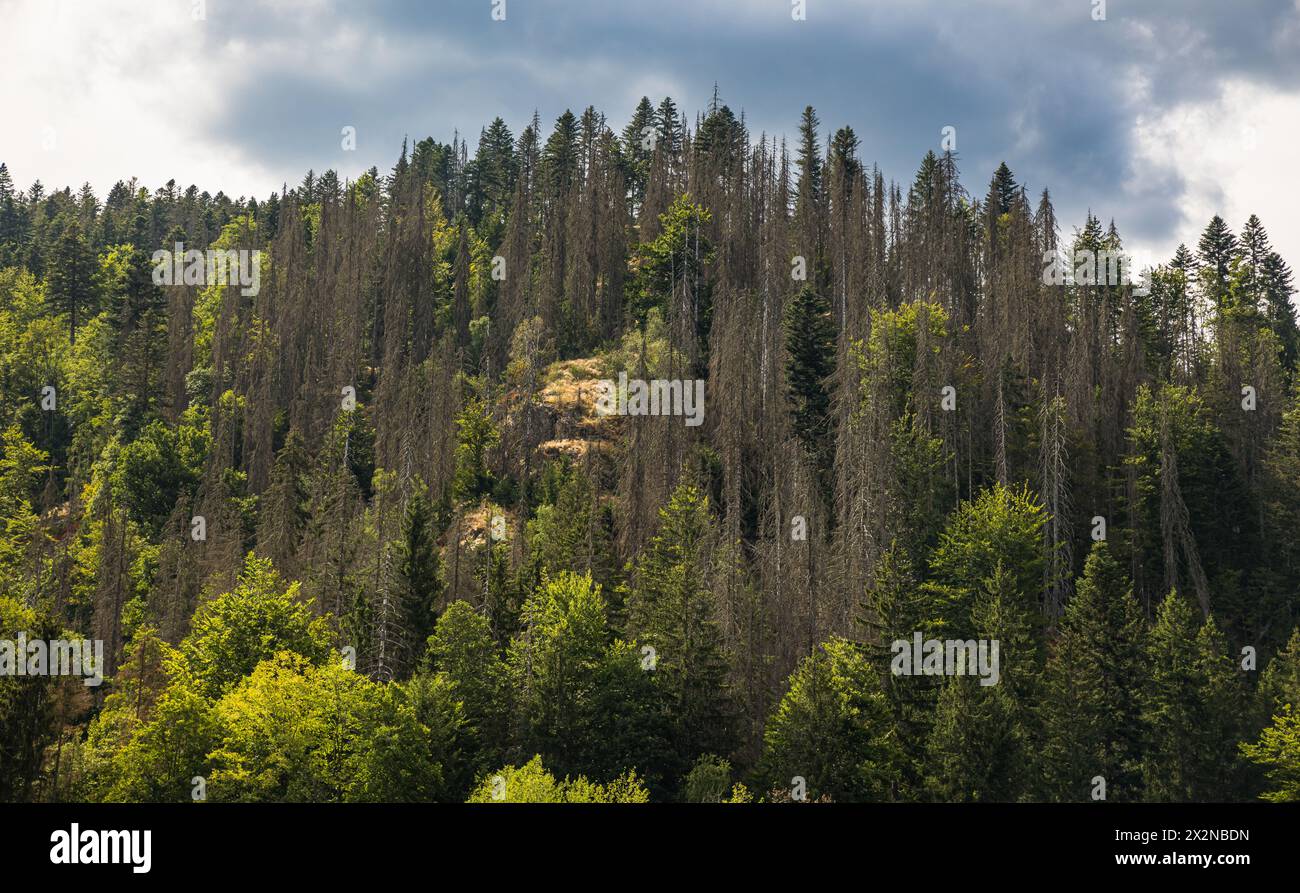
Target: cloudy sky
(1163, 114)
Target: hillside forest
(361, 533)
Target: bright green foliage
(1278, 751)
(234, 632)
(22, 468)
(463, 650)
(531, 783)
(833, 727)
(297, 731)
(1001, 526)
(888, 361)
(709, 781)
(153, 734)
(159, 758)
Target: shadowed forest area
(358, 531)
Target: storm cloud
(1158, 115)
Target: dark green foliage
(72, 284)
(418, 568)
(809, 365)
(1092, 702)
(1191, 708)
(833, 728)
(158, 468)
(670, 609)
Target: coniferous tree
(462, 648)
(1091, 703)
(810, 364)
(72, 284)
(1215, 252)
(985, 732)
(639, 140)
(1191, 709)
(1276, 281)
(418, 569)
(196, 423)
(671, 609)
(833, 729)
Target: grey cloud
(1037, 84)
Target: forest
(354, 527)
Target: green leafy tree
(834, 728)
(294, 730)
(234, 632)
(159, 466)
(531, 783)
(584, 702)
(23, 468)
(1001, 526)
(463, 649)
(709, 781)
(554, 663)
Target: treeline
(362, 535)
